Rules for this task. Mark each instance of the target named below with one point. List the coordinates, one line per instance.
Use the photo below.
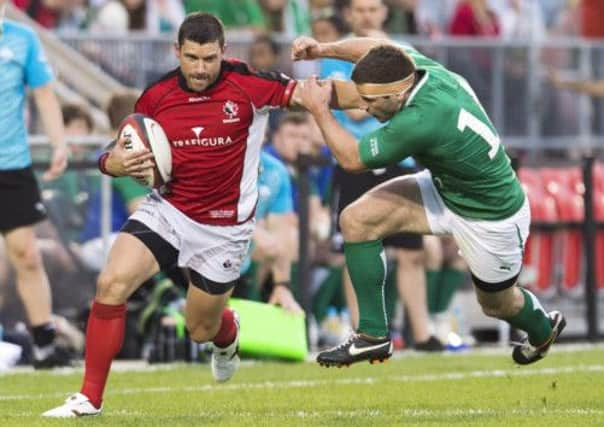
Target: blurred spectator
(366, 18)
(592, 18)
(474, 18)
(150, 16)
(67, 197)
(234, 14)
(154, 16)
(290, 17)
(551, 9)
(593, 88)
(77, 120)
(321, 7)
(522, 20)
(275, 241)
(293, 137)
(446, 272)
(127, 193)
(111, 17)
(401, 17)
(75, 16)
(567, 19)
(45, 12)
(433, 16)
(264, 53)
(328, 28)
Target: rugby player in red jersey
(214, 112)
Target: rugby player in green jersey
(468, 188)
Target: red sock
(104, 337)
(228, 329)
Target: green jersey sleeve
(403, 136)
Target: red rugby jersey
(216, 136)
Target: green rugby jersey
(444, 127)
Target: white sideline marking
(453, 376)
(407, 413)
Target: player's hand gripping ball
(144, 132)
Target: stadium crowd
(70, 239)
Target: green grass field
(474, 388)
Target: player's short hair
(120, 105)
(295, 118)
(383, 64)
(201, 28)
(73, 112)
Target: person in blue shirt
(23, 64)
(274, 243)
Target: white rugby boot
(76, 405)
(225, 361)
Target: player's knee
(111, 288)
(352, 224)
(202, 331)
(27, 258)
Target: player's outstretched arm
(344, 95)
(351, 50)
(315, 97)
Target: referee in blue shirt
(23, 64)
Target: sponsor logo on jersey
(222, 213)
(197, 131)
(198, 98)
(374, 147)
(203, 142)
(231, 110)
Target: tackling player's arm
(400, 138)
(315, 96)
(344, 95)
(351, 50)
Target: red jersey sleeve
(265, 89)
(143, 105)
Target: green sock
(432, 282)
(366, 262)
(532, 319)
(449, 281)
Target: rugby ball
(143, 132)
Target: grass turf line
(440, 390)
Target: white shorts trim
(492, 249)
(215, 252)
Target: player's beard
(199, 85)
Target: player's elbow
(353, 165)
